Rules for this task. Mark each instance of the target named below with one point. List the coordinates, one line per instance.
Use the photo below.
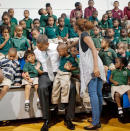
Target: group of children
(17, 42)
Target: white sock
(27, 101)
(37, 99)
(120, 111)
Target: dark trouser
(44, 92)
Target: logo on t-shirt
(109, 53)
(124, 73)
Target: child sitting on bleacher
(36, 24)
(113, 41)
(50, 31)
(61, 85)
(21, 44)
(122, 51)
(25, 31)
(119, 79)
(5, 42)
(32, 69)
(62, 31)
(35, 33)
(97, 37)
(73, 36)
(124, 37)
(11, 71)
(107, 55)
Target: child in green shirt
(32, 69)
(21, 44)
(123, 38)
(73, 36)
(5, 42)
(66, 20)
(119, 79)
(94, 17)
(7, 21)
(43, 17)
(11, 13)
(50, 30)
(117, 28)
(62, 31)
(107, 55)
(110, 19)
(97, 37)
(113, 41)
(29, 22)
(35, 33)
(36, 24)
(25, 31)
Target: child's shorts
(55, 40)
(6, 82)
(73, 39)
(35, 81)
(119, 89)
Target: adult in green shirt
(11, 13)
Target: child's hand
(17, 84)
(38, 66)
(68, 66)
(7, 37)
(116, 83)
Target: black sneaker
(27, 107)
(45, 126)
(52, 107)
(69, 124)
(62, 107)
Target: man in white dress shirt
(48, 56)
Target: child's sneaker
(53, 107)
(27, 107)
(38, 105)
(62, 107)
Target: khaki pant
(6, 82)
(73, 39)
(61, 87)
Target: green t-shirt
(97, 41)
(14, 20)
(108, 57)
(110, 22)
(25, 33)
(91, 18)
(121, 76)
(30, 68)
(43, 20)
(64, 60)
(63, 32)
(34, 42)
(7, 46)
(72, 33)
(124, 40)
(113, 43)
(117, 32)
(103, 24)
(21, 44)
(41, 30)
(28, 23)
(67, 22)
(127, 55)
(50, 32)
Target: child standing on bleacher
(21, 44)
(110, 19)
(97, 37)
(107, 55)
(62, 31)
(32, 69)
(119, 79)
(11, 71)
(29, 22)
(61, 85)
(5, 42)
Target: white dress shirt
(53, 54)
